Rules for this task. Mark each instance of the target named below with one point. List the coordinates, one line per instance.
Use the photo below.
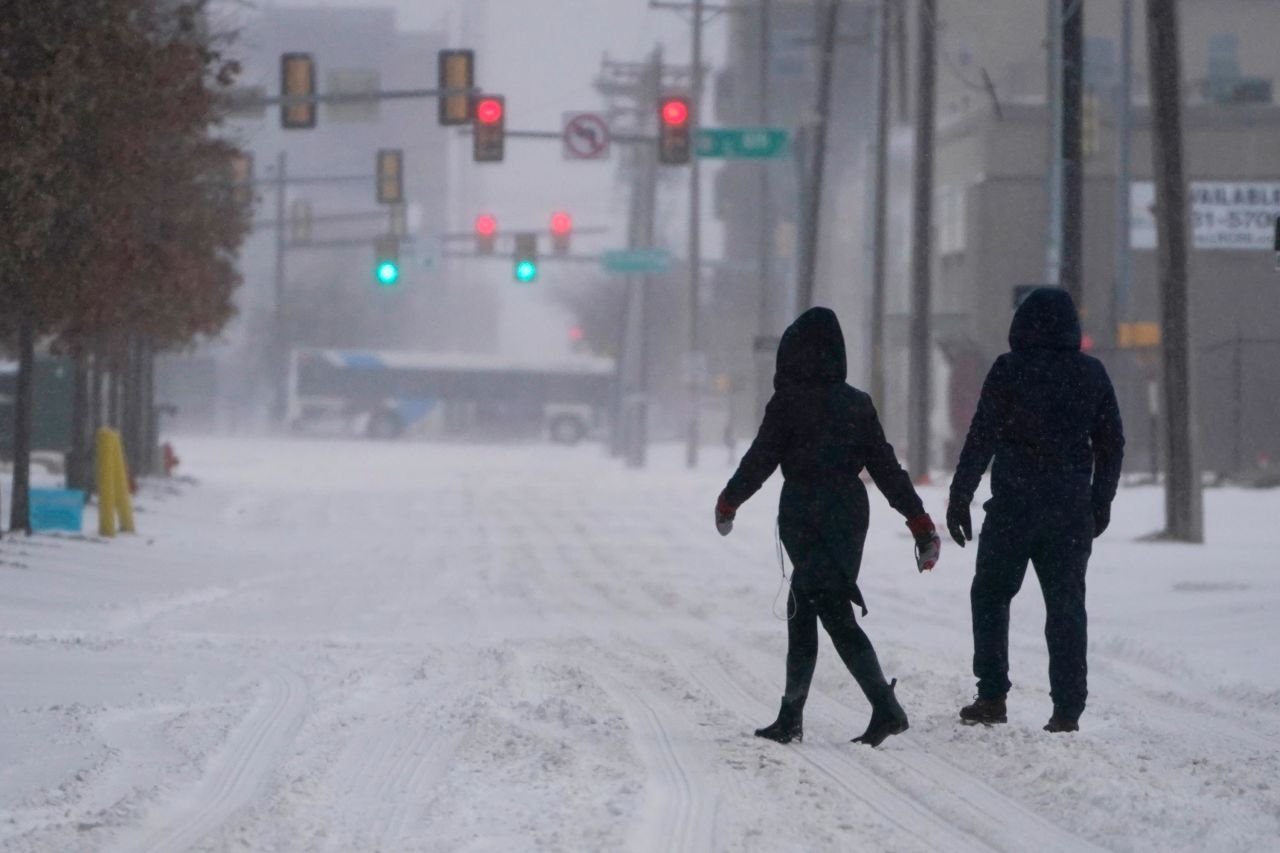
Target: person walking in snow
(1048, 417)
(823, 432)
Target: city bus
(385, 394)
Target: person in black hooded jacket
(1048, 418)
(823, 433)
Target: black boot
(887, 718)
(1059, 724)
(788, 727)
(984, 711)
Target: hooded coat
(1047, 420)
(822, 433)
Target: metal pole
(813, 200)
(880, 208)
(649, 210)
(922, 246)
(1237, 395)
(1072, 272)
(1053, 90)
(1124, 169)
(696, 359)
(765, 206)
(1184, 508)
(279, 345)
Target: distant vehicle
(384, 395)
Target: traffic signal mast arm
(558, 136)
(242, 102)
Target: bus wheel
(567, 429)
(384, 425)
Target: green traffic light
(388, 273)
(526, 271)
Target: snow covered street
(352, 646)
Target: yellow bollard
(106, 483)
(120, 490)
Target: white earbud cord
(786, 581)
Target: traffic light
(298, 80)
(561, 230)
(489, 128)
(386, 261)
(457, 70)
(526, 258)
(242, 178)
(390, 176)
(675, 130)
(486, 233)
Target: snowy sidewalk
(331, 645)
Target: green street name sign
(742, 143)
(625, 261)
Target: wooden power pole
(922, 246)
(1184, 508)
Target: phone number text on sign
(1224, 214)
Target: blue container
(57, 509)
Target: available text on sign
(1224, 214)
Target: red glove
(928, 543)
(724, 516)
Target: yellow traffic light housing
(298, 80)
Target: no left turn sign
(586, 137)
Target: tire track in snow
(238, 773)
(990, 817)
(907, 813)
(678, 817)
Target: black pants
(835, 611)
(1058, 546)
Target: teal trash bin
(57, 509)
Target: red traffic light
(489, 110)
(486, 225)
(675, 111)
(575, 334)
(561, 223)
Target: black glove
(724, 516)
(959, 522)
(1101, 518)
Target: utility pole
(1184, 508)
(697, 359)
(1053, 187)
(922, 245)
(813, 197)
(633, 89)
(1124, 157)
(641, 229)
(765, 325)
(1072, 273)
(880, 204)
(279, 346)
(648, 186)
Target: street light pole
(696, 361)
(279, 346)
(880, 208)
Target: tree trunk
(115, 389)
(1184, 509)
(20, 508)
(148, 408)
(78, 453)
(131, 420)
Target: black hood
(811, 351)
(1046, 319)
